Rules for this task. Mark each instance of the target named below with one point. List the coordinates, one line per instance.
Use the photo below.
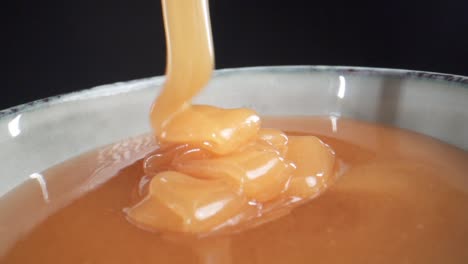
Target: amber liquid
(402, 198)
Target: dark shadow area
(51, 47)
(388, 104)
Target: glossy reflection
(334, 123)
(14, 126)
(43, 184)
(342, 87)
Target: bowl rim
(134, 85)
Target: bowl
(40, 134)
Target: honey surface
(403, 198)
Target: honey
(216, 170)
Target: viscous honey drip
(217, 169)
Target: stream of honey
(216, 170)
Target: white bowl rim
(128, 86)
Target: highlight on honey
(217, 170)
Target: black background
(57, 46)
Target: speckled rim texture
(123, 87)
